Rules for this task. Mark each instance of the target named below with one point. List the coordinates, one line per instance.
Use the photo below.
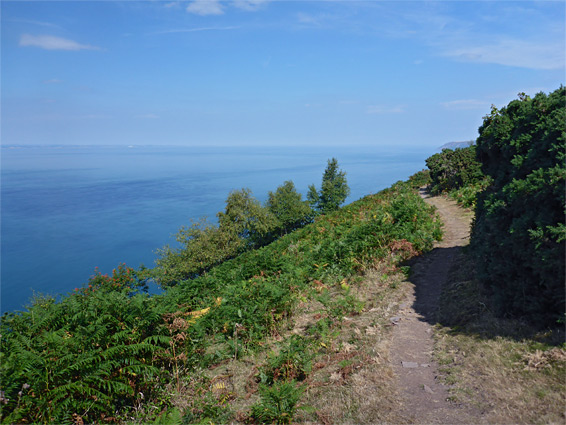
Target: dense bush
(453, 169)
(420, 179)
(519, 233)
(467, 195)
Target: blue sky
(265, 72)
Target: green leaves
(86, 355)
(245, 224)
(518, 236)
(333, 192)
(453, 169)
(278, 403)
(287, 206)
(246, 216)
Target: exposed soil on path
(425, 397)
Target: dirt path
(411, 352)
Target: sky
(261, 72)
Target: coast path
(425, 398)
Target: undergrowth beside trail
(111, 353)
(512, 372)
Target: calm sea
(67, 210)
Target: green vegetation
(333, 192)
(519, 235)
(512, 370)
(243, 225)
(278, 403)
(109, 352)
(287, 206)
(457, 173)
(96, 351)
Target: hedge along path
(425, 399)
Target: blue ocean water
(67, 210)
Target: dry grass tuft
(544, 359)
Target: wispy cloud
(466, 104)
(325, 21)
(50, 42)
(216, 7)
(250, 5)
(205, 7)
(380, 109)
(93, 117)
(512, 52)
(531, 38)
(36, 23)
(198, 29)
(308, 19)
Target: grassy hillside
(108, 352)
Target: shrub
(519, 235)
(243, 225)
(453, 169)
(293, 362)
(420, 179)
(278, 403)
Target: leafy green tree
(203, 245)
(287, 206)
(245, 215)
(333, 192)
(245, 224)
